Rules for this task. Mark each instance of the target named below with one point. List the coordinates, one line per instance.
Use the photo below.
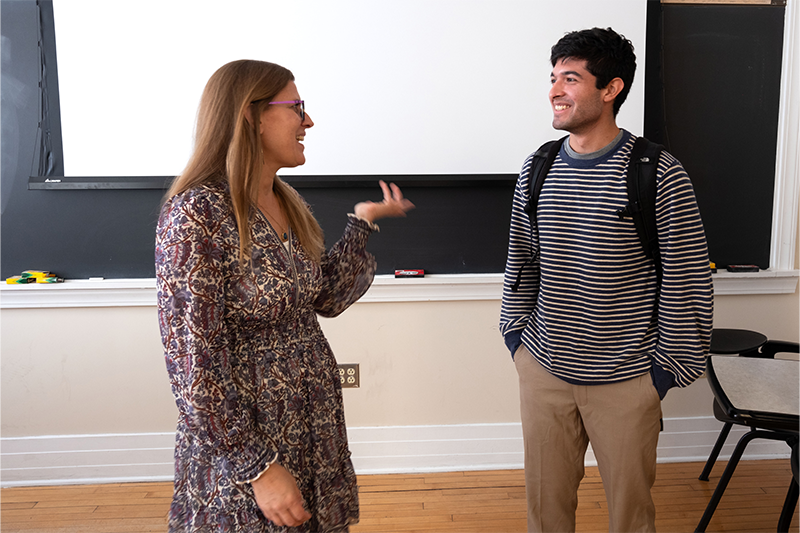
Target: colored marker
(50, 279)
(19, 280)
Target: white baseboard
(84, 459)
(118, 458)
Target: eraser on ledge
(409, 273)
(742, 268)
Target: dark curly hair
(608, 55)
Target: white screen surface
(394, 87)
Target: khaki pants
(622, 421)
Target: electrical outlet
(348, 375)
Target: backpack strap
(542, 161)
(641, 182)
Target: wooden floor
(492, 501)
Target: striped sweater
(585, 306)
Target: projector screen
(393, 86)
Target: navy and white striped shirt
(589, 314)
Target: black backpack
(641, 181)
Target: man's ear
(613, 89)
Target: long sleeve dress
(253, 376)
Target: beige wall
(426, 363)
(101, 370)
(83, 371)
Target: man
(596, 340)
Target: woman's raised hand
(393, 205)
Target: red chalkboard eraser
(409, 273)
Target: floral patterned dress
(254, 379)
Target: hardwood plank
(16, 505)
(41, 514)
(122, 525)
(102, 500)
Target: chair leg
(712, 458)
(788, 507)
(790, 503)
(728, 473)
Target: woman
(242, 272)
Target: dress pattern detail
(253, 376)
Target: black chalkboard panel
(81, 234)
(110, 233)
(712, 98)
(460, 228)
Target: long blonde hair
(228, 147)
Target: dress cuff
(371, 225)
(259, 474)
(251, 469)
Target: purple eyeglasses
(299, 107)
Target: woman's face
(282, 131)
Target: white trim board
(384, 289)
(117, 458)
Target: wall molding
(385, 289)
(787, 157)
(764, 282)
(139, 457)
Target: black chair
(731, 341)
(764, 425)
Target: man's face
(576, 101)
